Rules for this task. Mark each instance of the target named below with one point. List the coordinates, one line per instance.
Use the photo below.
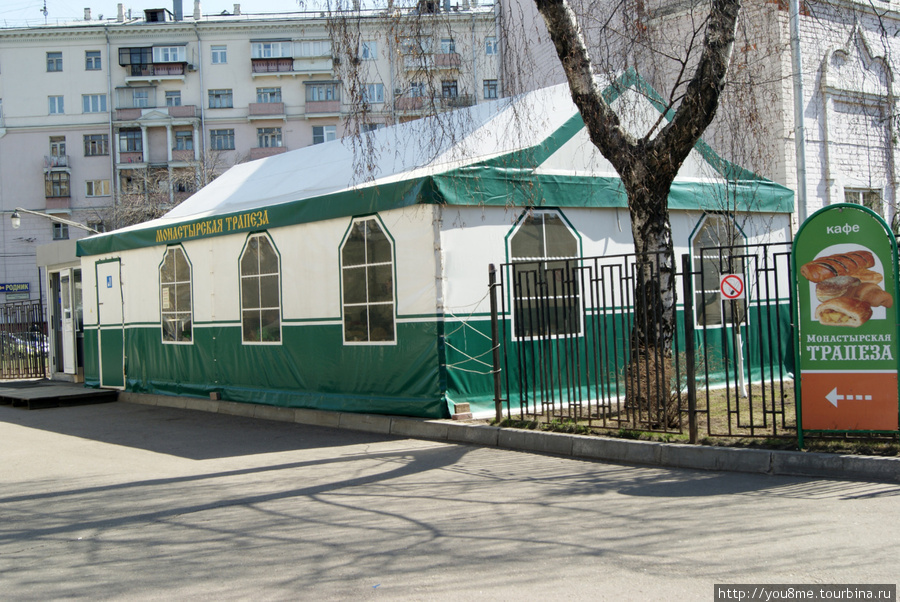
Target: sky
(22, 13)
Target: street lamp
(16, 220)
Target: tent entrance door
(111, 334)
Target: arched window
(367, 272)
(260, 291)
(717, 250)
(546, 298)
(175, 297)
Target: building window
(93, 103)
(219, 55)
(370, 127)
(220, 99)
(56, 184)
(97, 226)
(175, 297)
(490, 88)
(448, 46)
(314, 48)
(169, 54)
(184, 140)
(58, 149)
(56, 106)
(324, 133)
(867, 197)
(490, 45)
(268, 137)
(96, 145)
(142, 98)
(173, 98)
(546, 299)
(54, 61)
(368, 50)
(96, 188)
(260, 291)
(367, 283)
(373, 93)
(318, 92)
(92, 60)
(712, 249)
(449, 89)
(271, 50)
(60, 231)
(417, 89)
(268, 95)
(221, 139)
(130, 141)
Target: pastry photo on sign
(846, 280)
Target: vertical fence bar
(495, 343)
(690, 371)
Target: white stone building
(149, 105)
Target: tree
(647, 165)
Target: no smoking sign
(732, 286)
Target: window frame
(169, 54)
(174, 283)
(369, 90)
(56, 105)
(366, 266)
(269, 135)
(322, 91)
(173, 98)
(324, 133)
(54, 61)
(269, 95)
(220, 134)
(90, 188)
(99, 141)
(218, 55)
(725, 312)
(57, 185)
(89, 101)
(368, 50)
(570, 262)
(60, 231)
(274, 49)
(132, 139)
(247, 277)
(184, 140)
(93, 60)
(493, 86)
(221, 95)
(490, 46)
(863, 198)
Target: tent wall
(312, 366)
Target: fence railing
(574, 344)
(23, 340)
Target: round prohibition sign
(732, 286)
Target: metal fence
(23, 340)
(570, 345)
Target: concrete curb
(626, 451)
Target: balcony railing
(323, 106)
(135, 113)
(277, 65)
(131, 157)
(53, 161)
(455, 102)
(260, 152)
(149, 70)
(417, 103)
(55, 203)
(183, 111)
(451, 60)
(182, 155)
(266, 108)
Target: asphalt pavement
(125, 501)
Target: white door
(66, 308)
(110, 313)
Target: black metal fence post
(495, 343)
(689, 369)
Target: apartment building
(140, 110)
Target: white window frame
(491, 85)
(368, 50)
(56, 105)
(324, 133)
(218, 55)
(490, 46)
(271, 50)
(166, 299)
(184, 140)
(367, 265)
(247, 280)
(269, 137)
(373, 93)
(219, 95)
(858, 196)
(313, 48)
(322, 92)
(448, 46)
(221, 135)
(93, 103)
(95, 188)
(93, 60)
(169, 54)
(173, 98)
(268, 95)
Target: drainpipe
(799, 130)
(202, 136)
(114, 180)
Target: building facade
(109, 122)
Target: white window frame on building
(318, 92)
(260, 274)
(92, 60)
(56, 105)
(490, 45)
(221, 98)
(368, 297)
(169, 54)
(313, 48)
(448, 46)
(373, 93)
(93, 103)
(131, 141)
(491, 89)
(269, 137)
(96, 145)
(368, 50)
(60, 231)
(324, 133)
(218, 55)
(173, 98)
(56, 184)
(268, 95)
(175, 303)
(54, 62)
(871, 198)
(273, 49)
(222, 139)
(184, 140)
(94, 188)
(449, 88)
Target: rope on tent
(465, 326)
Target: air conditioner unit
(191, 67)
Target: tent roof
(514, 151)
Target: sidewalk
(672, 455)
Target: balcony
(267, 110)
(457, 102)
(321, 107)
(182, 156)
(58, 203)
(131, 157)
(134, 114)
(268, 151)
(56, 162)
(450, 60)
(418, 62)
(155, 71)
(272, 66)
(409, 103)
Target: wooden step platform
(48, 394)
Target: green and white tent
(353, 276)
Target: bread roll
(842, 264)
(843, 311)
(872, 294)
(839, 286)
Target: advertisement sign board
(845, 272)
